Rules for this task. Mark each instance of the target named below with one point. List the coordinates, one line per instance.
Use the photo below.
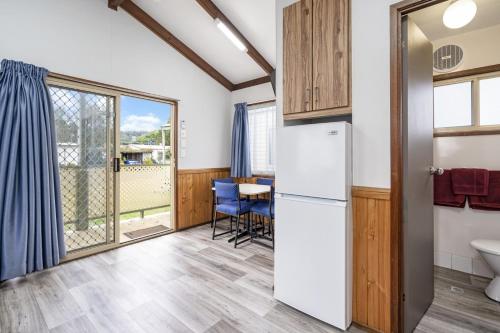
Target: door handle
(316, 94)
(435, 171)
(116, 164)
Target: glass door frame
(173, 161)
(83, 85)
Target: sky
(142, 115)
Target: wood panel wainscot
(371, 258)
(194, 195)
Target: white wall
(371, 93)
(255, 94)
(84, 38)
(455, 228)
(481, 47)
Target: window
(468, 105)
(453, 105)
(490, 101)
(262, 128)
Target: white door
(314, 160)
(313, 257)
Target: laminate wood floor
(182, 282)
(460, 305)
(185, 282)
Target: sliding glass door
(146, 175)
(85, 126)
(117, 165)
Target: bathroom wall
(481, 47)
(455, 228)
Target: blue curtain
(31, 224)
(240, 150)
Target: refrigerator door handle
(320, 201)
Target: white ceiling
(189, 22)
(256, 20)
(430, 19)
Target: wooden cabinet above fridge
(316, 59)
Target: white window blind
(262, 130)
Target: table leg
(213, 209)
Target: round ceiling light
(459, 13)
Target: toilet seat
(487, 245)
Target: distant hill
(130, 137)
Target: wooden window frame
(475, 128)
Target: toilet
(490, 251)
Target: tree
(154, 138)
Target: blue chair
(227, 201)
(227, 180)
(265, 209)
(265, 181)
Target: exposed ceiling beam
(251, 83)
(114, 4)
(215, 12)
(150, 23)
(155, 27)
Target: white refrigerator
(313, 228)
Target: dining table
(247, 190)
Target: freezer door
(314, 160)
(313, 257)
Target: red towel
(443, 192)
(492, 200)
(470, 181)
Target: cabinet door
(297, 57)
(331, 77)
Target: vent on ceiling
(447, 58)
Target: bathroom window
(453, 105)
(489, 100)
(468, 106)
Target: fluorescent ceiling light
(230, 35)
(459, 13)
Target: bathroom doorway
(435, 69)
